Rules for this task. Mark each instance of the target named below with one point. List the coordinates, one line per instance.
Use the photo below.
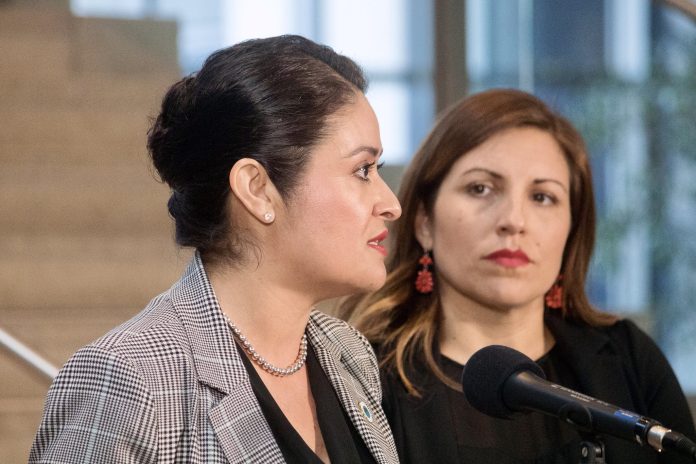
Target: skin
(317, 246)
(511, 192)
(341, 204)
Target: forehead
(355, 118)
(351, 128)
(515, 152)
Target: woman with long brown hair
(493, 248)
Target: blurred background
(85, 240)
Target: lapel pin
(366, 411)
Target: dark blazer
(619, 364)
(622, 365)
(169, 386)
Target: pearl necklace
(261, 361)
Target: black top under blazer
(169, 386)
(619, 364)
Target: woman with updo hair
(271, 152)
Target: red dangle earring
(554, 297)
(424, 279)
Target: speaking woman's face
(500, 221)
(334, 239)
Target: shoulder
(640, 350)
(622, 338)
(154, 330)
(661, 391)
(94, 371)
(621, 357)
(99, 403)
(151, 350)
(630, 341)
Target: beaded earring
(424, 279)
(554, 297)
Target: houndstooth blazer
(169, 386)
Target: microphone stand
(592, 451)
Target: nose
(512, 218)
(387, 206)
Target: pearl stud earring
(268, 217)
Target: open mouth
(376, 242)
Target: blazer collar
(580, 345)
(238, 421)
(350, 380)
(590, 353)
(215, 355)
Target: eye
(478, 189)
(544, 198)
(363, 172)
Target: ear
(422, 228)
(251, 185)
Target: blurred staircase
(85, 240)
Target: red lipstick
(376, 242)
(509, 258)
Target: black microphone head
(485, 375)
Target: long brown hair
(404, 322)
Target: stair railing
(26, 354)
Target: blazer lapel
(237, 419)
(242, 429)
(357, 396)
(585, 351)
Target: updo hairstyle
(265, 99)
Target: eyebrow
(496, 175)
(376, 152)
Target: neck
(271, 317)
(468, 326)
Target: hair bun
(168, 135)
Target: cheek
(455, 232)
(556, 241)
(330, 208)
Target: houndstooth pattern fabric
(168, 386)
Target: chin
(508, 304)
(369, 283)
(373, 286)
(353, 287)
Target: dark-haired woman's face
(501, 220)
(337, 218)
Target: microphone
(500, 381)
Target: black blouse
(343, 443)
(533, 438)
(462, 434)
(617, 363)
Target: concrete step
(126, 47)
(78, 132)
(108, 199)
(22, 54)
(35, 45)
(140, 95)
(52, 39)
(19, 419)
(71, 271)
